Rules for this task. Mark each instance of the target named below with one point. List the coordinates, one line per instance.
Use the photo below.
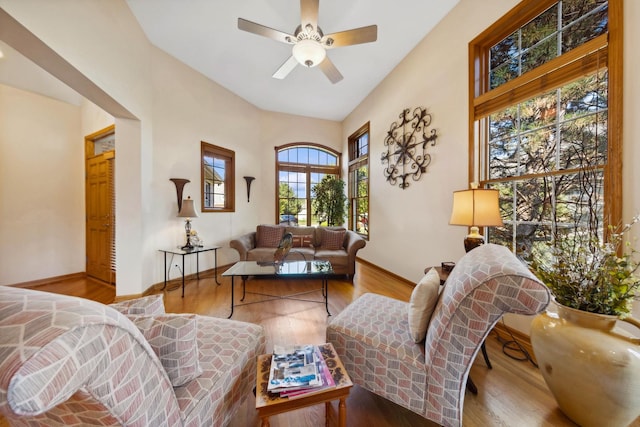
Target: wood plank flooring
(513, 393)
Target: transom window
(359, 181)
(300, 166)
(218, 178)
(545, 97)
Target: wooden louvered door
(100, 207)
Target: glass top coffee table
(284, 270)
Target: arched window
(299, 167)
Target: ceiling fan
(309, 43)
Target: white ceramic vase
(592, 370)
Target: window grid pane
(296, 178)
(358, 186)
(307, 156)
(558, 30)
(217, 178)
(558, 130)
(537, 137)
(214, 181)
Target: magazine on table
(324, 374)
(293, 368)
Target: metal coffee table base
(271, 297)
(315, 269)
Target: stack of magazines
(298, 371)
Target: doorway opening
(100, 201)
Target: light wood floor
(513, 393)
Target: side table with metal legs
(183, 253)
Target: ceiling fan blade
(261, 30)
(350, 37)
(330, 70)
(285, 68)
(309, 13)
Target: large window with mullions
(299, 167)
(545, 95)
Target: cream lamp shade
(188, 211)
(477, 207)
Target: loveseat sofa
(334, 244)
(70, 361)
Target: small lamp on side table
(476, 207)
(188, 211)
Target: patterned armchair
(67, 361)
(372, 337)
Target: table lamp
(477, 207)
(187, 211)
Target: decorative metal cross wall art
(406, 142)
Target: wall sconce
(477, 207)
(249, 179)
(179, 182)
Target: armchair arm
(353, 243)
(244, 244)
(58, 349)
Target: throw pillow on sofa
(303, 241)
(332, 239)
(173, 337)
(422, 303)
(151, 305)
(268, 236)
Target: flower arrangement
(586, 273)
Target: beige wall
(177, 108)
(409, 228)
(41, 187)
(93, 118)
(189, 108)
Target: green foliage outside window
(330, 201)
(289, 204)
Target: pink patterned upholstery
(372, 336)
(67, 361)
(173, 338)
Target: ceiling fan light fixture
(309, 52)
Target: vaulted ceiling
(204, 35)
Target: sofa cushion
(302, 254)
(151, 305)
(332, 239)
(338, 258)
(173, 338)
(422, 303)
(269, 236)
(261, 254)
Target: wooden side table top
(269, 404)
